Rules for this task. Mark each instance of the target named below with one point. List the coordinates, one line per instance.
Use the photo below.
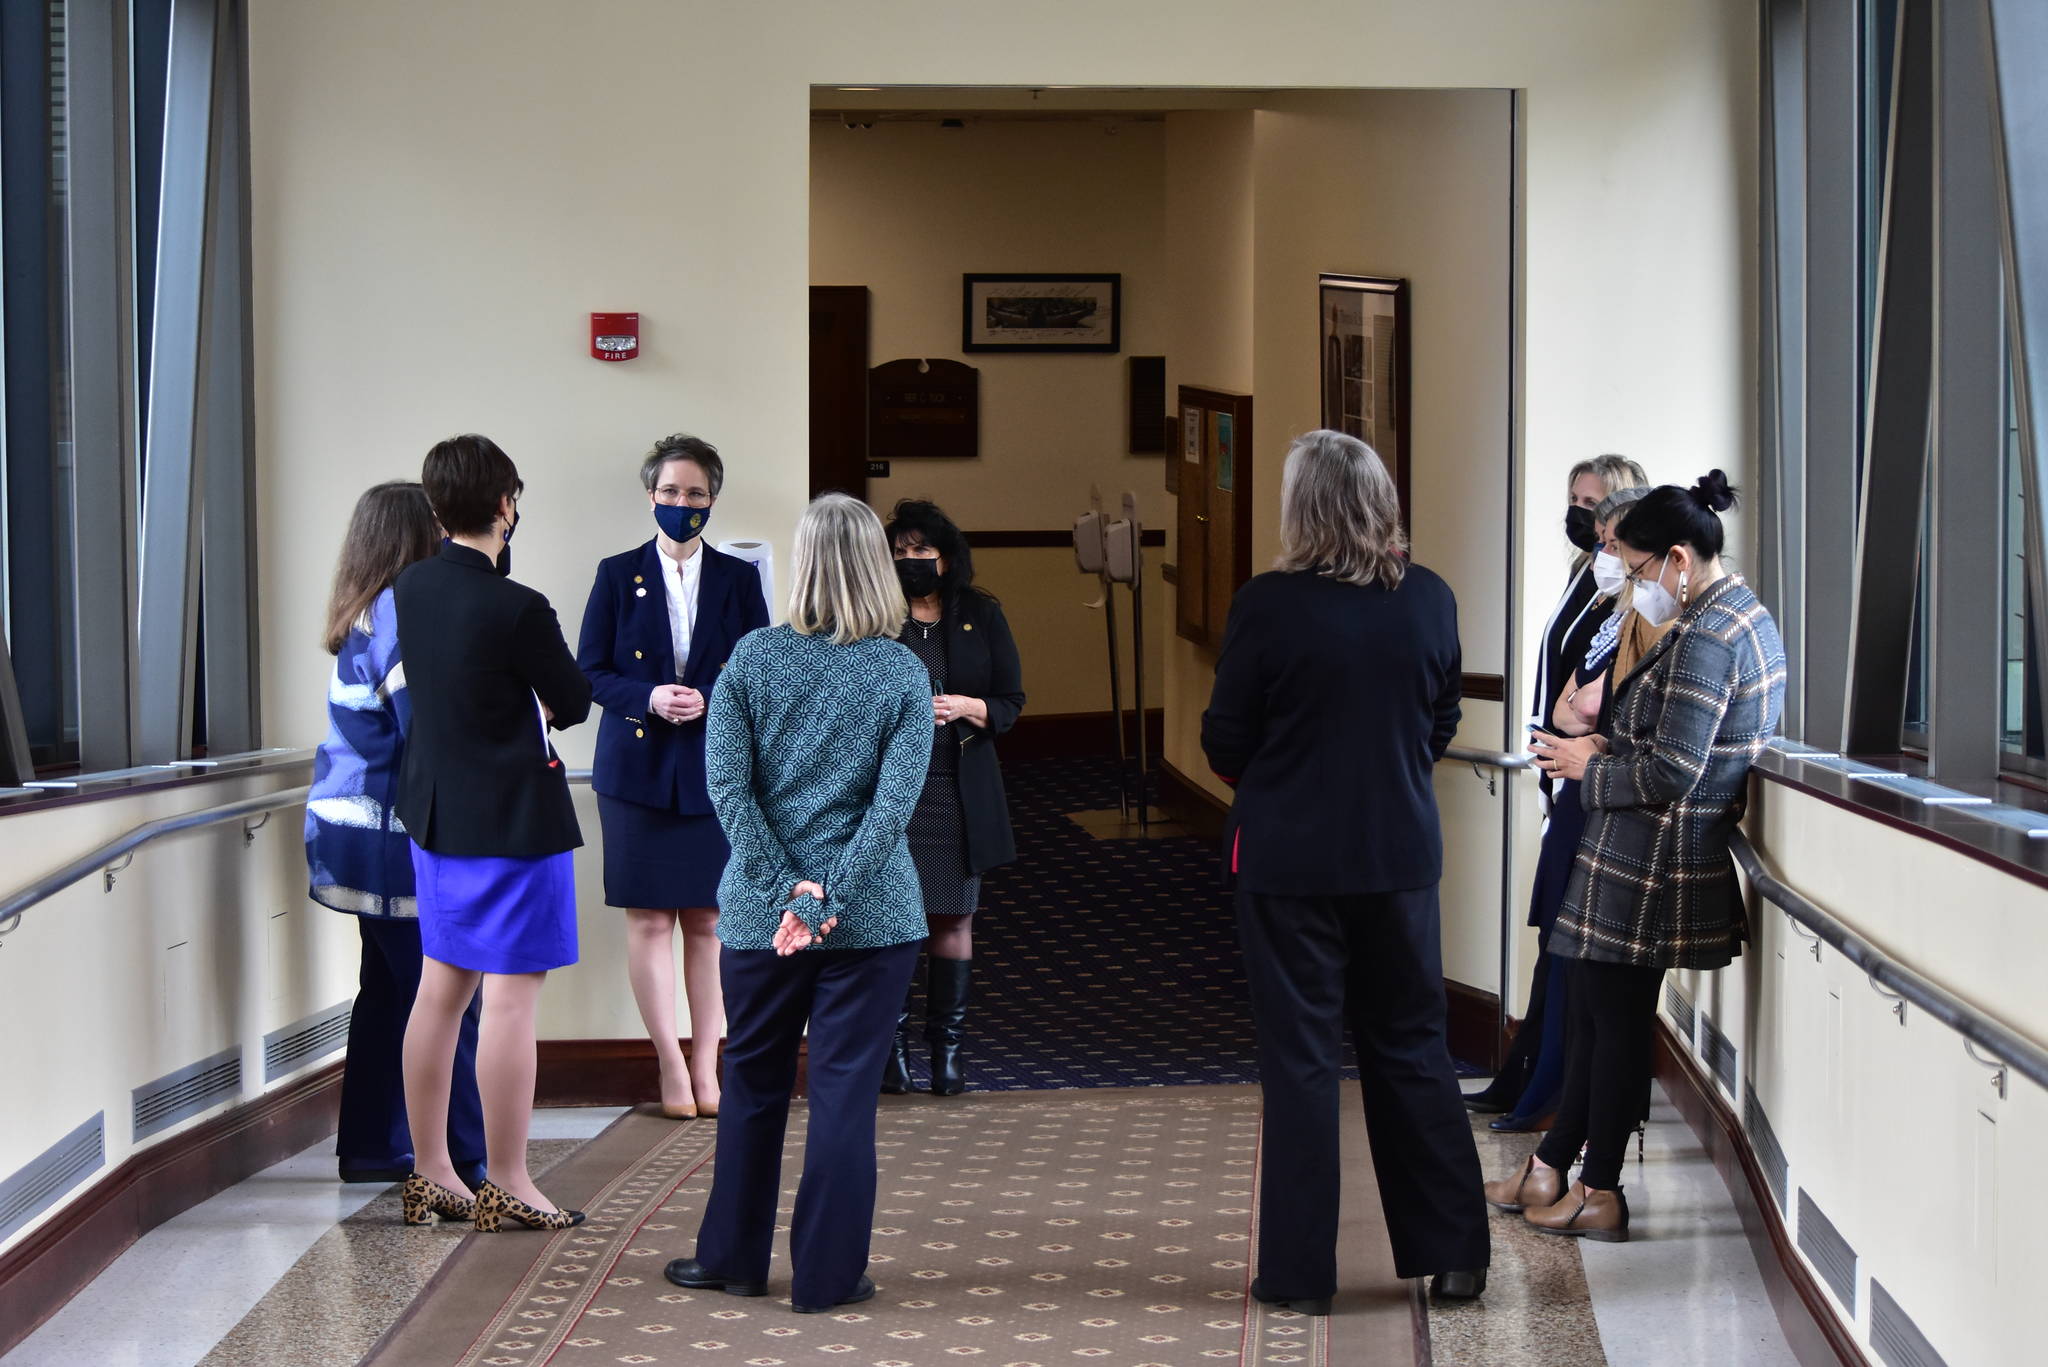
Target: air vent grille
(1831, 1254)
(1680, 1007)
(1720, 1053)
(1762, 1138)
(185, 1093)
(51, 1174)
(296, 1045)
(1893, 1334)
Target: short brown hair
(682, 446)
(465, 477)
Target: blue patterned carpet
(1100, 963)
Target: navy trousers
(851, 998)
(373, 1133)
(1372, 961)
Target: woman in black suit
(961, 828)
(1336, 694)
(662, 620)
(486, 802)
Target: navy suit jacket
(626, 651)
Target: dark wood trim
(1046, 541)
(1189, 803)
(1817, 1336)
(77, 1242)
(1076, 735)
(1473, 1025)
(612, 1072)
(2008, 851)
(104, 790)
(1484, 687)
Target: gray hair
(1616, 472)
(1611, 506)
(682, 446)
(844, 580)
(1340, 514)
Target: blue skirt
(497, 915)
(658, 859)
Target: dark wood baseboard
(1474, 1026)
(612, 1072)
(1080, 735)
(57, 1261)
(1051, 539)
(1817, 1336)
(1189, 803)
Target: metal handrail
(1894, 979)
(1489, 759)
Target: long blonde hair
(844, 580)
(1340, 514)
(1616, 473)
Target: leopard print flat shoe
(423, 1200)
(494, 1203)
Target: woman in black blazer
(662, 620)
(485, 799)
(1336, 694)
(961, 828)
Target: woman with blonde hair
(819, 739)
(1336, 693)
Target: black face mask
(920, 577)
(1579, 530)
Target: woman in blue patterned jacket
(1654, 885)
(819, 737)
(357, 853)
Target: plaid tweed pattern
(1654, 884)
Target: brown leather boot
(1527, 1186)
(1584, 1213)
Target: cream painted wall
(908, 208)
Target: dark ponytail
(1669, 516)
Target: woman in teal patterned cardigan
(819, 736)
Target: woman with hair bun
(1654, 885)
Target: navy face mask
(680, 523)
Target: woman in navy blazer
(662, 620)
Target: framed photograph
(1041, 313)
(1364, 339)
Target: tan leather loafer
(1584, 1214)
(1528, 1186)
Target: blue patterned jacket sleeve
(729, 781)
(906, 755)
(1702, 682)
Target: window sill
(1861, 785)
(51, 793)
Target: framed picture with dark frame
(1363, 321)
(1041, 313)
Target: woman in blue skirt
(486, 802)
(661, 623)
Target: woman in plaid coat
(1654, 885)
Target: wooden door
(839, 389)
(1214, 497)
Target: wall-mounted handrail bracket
(1812, 938)
(1897, 999)
(249, 829)
(110, 870)
(2000, 1073)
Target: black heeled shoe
(945, 1016)
(690, 1273)
(896, 1073)
(1458, 1286)
(422, 1200)
(1306, 1305)
(863, 1290)
(494, 1205)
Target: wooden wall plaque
(924, 409)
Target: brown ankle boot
(1584, 1213)
(1527, 1186)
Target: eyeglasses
(693, 498)
(1635, 572)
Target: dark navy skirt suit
(663, 847)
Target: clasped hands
(676, 703)
(793, 934)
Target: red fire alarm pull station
(615, 336)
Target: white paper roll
(761, 555)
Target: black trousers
(373, 1132)
(1373, 962)
(851, 998)
(1608, 1040)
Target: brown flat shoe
(686, 1111)
(1528, 1186)
(1584, 1213)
